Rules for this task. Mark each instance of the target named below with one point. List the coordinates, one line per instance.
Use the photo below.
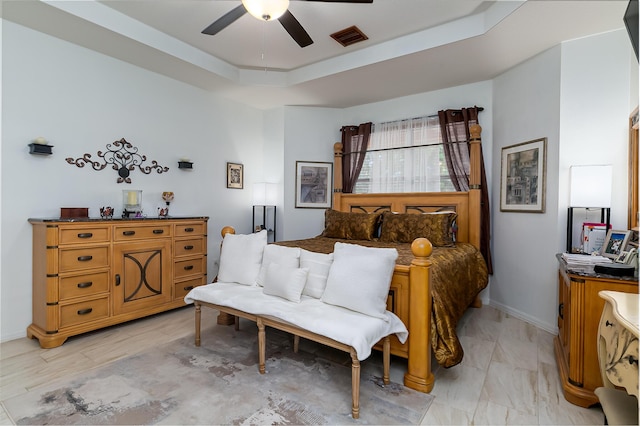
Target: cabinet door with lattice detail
(142, 275)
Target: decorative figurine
(106, 212)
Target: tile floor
(508, 375)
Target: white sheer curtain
(404, 156)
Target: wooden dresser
(93, 273)
(576, 345)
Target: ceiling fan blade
(225, 21)
(295, 30)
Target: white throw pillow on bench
(319, 265)
(287, 257)
(241, 257)
(360, 277)
(285, 282)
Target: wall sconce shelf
(40, 149)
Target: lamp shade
(266, 9)
(591, 186)
(264, 194)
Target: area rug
(219, 383)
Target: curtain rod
(480, 109)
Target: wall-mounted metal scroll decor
(123, 157)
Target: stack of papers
(583, 263)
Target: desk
(618, 357)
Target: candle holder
(167, 196)
(132, 203)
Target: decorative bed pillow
(360, 277)
(241, 257)
(285, 282)
(350, 226)
(319, 265)
(288, 257)
(406, 227)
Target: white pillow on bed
(360, 277)
(285, 282)
(288, 257)
(241, 257)
(319, 265)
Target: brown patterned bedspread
(458, 274)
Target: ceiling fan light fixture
(266, 10)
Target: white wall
(578, 95)
(81, 101)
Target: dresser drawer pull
(188, 247)
(561, 310)
(117, 280)
(85, 311)
(85, 285)
(188, 267)
(158, 231)
(188, 229)
(85, 235)
(190, 287)
(128, 233)
(84, 258)
(608, 324)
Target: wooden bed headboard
(465, 204)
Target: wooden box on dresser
(93, 273)
(576, 345)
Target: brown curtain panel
(454, 126)
(355, 140)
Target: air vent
(349, 36)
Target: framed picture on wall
(313, 184)
(235, 176)
(523, 177)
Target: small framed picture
(313, 185)
(615, 243)
(523, 177)
(235, 176)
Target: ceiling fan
(268, 10)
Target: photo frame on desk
(615, 243)
(523, 177)
(313, 184)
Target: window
(405, 156)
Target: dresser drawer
(188, 229)
(83, 258)
(89, 235)
(184, 268)
(83, 312)
(84, 285)
(137, 232)
(183, 287)
(192, 246)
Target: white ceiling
(414, 45)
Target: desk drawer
(189, 229)
(82, 312)
(193, 246)
(184, 268)
(89, 235)
(127, 233)
(84, 258)
(84, 285)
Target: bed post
(419, 375)
(475, 159)
(337, 175)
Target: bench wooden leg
(355, 385)
(386, 359)
(296, 343)
(261, 346)
(237, 323)
(198, 318)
